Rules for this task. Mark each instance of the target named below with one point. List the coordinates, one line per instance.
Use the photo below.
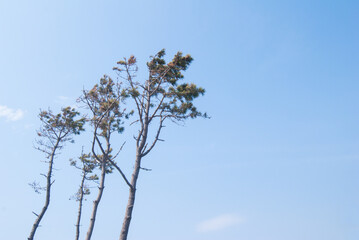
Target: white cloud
(219, 223)
(11, 114)
(66, 101)
(62, 100)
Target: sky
(278, 160)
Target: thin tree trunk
(131, 199)
(139, 148)
(97, 201)
(48, 192)
(80, 208)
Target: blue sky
(279, 159)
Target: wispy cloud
(11, 114)
(218, 223)
(66, 101)
(62, 100)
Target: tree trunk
(139, 150)
(131, 199)
(80, 208)
(48, 192)
(97, 201)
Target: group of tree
(162, 96)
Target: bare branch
(93, 147)
(100, 145)
(146, 169)
(118, 151)
(156, 138)
(134, 122)
(158, 107)
(120, 171)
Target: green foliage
(170, 98)
(58, 128)
(87, 164)
(104, 101)
(62, 123)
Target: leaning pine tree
(86, 163)
(104, 102)
(56, 130)
(159, 98)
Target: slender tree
(159, 98)
(87, 165)
(104, 101)
(56, 130)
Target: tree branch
(93, 147)
(158, 107)
(156, 138)
(120, 171)
(118, 151)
